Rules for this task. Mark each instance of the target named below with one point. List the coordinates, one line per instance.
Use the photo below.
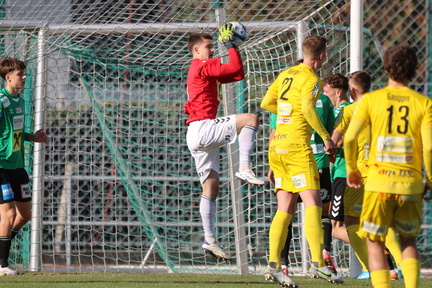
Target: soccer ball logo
(239, 32)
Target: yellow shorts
(294, 167)
(353, 201)
(382, 210)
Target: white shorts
(205, 137)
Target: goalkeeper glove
(227, 35)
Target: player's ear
(353, 92)
(322, 56)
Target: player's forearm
(337, 138)
(427, 152)
(350, 145)
(309, 112)
(234, 69)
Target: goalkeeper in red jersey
(206, 133)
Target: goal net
(117, 189)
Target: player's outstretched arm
(38, 136)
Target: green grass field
(159, 280)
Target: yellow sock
(380, 279)
(278, 234)
(411, 272)
(314, 234)
(392, 244)
(359, 246)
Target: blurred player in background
(401, 143)
(206, 133)
(336, 88)
(293, 96)
(15, 196)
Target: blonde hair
(314, 46)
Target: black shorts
(14, 186)
(325, 184)
(337, 205)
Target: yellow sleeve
(309, 112)
(350, 143)
(426, 132)
(269, 102)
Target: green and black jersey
(11, 130)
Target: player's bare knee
(252, 119)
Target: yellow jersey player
(401, 142)
(359, 84)
(293, 96)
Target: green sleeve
(273, 118)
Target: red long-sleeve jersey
(202, 84)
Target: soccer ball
(239, 32)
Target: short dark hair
(400, 62)
(8, 65)
(313, 46)
(194, 39)
(337, 81)
(362, 80)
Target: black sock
(5, 245)
(326, 222)
(14, 232)
(285, 250)
(389, 259)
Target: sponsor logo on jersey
(280, 136)
(7, 192)
(374, 228)
(357, 208)
(25, 191)
(396, 173)
(324, 193)
(283, 120)
(299, 180)
(395, 144)
(319, 103)
(5, 101)
(407, 227)
(278, 182)
(317, 148)
(18, 122)
(384, 157)
(17, 140)
(284, 109)
(316, 89)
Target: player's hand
(39, 136)
(270, 176)
(330, 147)
(226, 32)
(354, 179)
